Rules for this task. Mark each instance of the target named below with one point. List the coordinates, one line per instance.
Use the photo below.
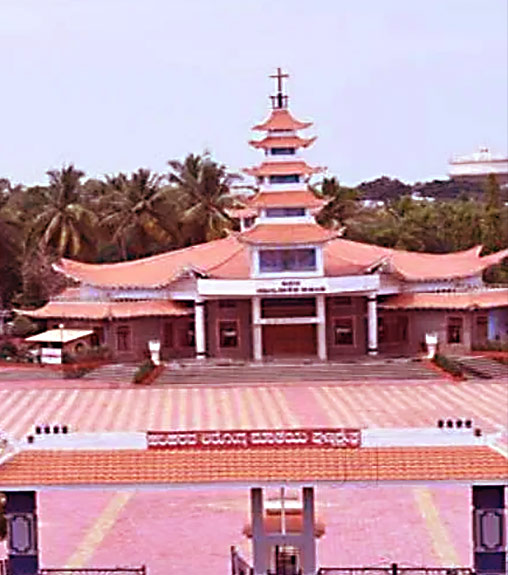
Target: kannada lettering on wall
(292, 286)
(265, 438)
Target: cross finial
(280, 100)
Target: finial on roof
(280, 100)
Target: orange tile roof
(304, 198)
(282, 120)
(229, 258)
(166, 466)
(108, 310)
(450, 300)
(283, 142)
(416, 266)
(282, 168)
(287, 234)
(154, 271)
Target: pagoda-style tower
(283, 169)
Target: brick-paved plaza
(191, 530)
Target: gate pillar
(489, 529)
(21, 515)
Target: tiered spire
(281, 143)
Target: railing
(394, 569)
(95, 571)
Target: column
(259, 541)
(257, 333)
(199, 329)
(321, 327)
(372, 324)
(489, 530)
(21, 514)
(308, 548)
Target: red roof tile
(452, 300)
(287, 234)
(108, 310)
(229, 258)
(282, 168)
(282, 142)
(155, 271)
(304, 198)
(282, 120)
(122, 467)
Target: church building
(283, 286)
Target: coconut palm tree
(140, 213)
(205, 189)
(65, 226)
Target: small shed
(54, 342)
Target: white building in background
(479, 165)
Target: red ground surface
(177, 532)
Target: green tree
(140, 214)
(65, 226)
(341, 206)
(204, 188)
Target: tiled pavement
(175, 532)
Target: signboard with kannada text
(256, 438)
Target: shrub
(143, 371)
(451, 366)
(22, 326)
(8, 350)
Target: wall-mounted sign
(292, 286)
(265, 438)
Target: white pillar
(257, 333)
(372, 323)
(199, 329)
(321, 327)
(308, 548)
(259, 541)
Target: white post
(257, 333)
(199, 329)
(259, 542)
(321, 327)
(372, 322)
(309, 558)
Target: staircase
(196, 373)
(120, 373)
(483, 367)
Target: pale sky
(394, 87)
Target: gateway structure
(283, 285)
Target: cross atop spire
(280, 100)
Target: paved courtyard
(190, 531)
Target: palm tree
(65, 226)
(205, 189)
(140, 213)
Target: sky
(394, 87)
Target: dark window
(123, 338)
(284, 212)
(454, 330)
(285, 179)
(228, 334)
(97, 337)
(287, 260)
(343, 331)
(248, 222)
(282, 151)
(482, 328)
(167, 335)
